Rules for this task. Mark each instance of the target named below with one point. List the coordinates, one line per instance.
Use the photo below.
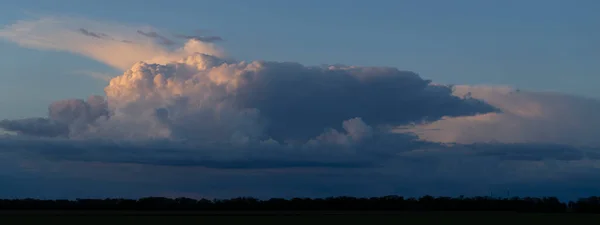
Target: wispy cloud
(96, 75)
(200, 38)
(163, 40)
(91, 38)
(94, 34)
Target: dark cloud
(531, 152)
(77, 110)
(200, 38)
(398, 154)
(163, 40)
(64, 118)
(37, 127)
(300, 101)
(94, 34)
(174, 168)
(99, 35)
(213, 155)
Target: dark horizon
(341, 203)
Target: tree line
(386, 203)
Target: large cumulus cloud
(285, 129)
(202, 97)
(278, 100)
(272, 113)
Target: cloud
(64, 117)
(212, 106)
(37, 127)
(163, 40)
(162, 153)
(67, 34)
(5, 132)
(201, 38)
(93, 34)
(191, 120)
(202, 97)
(96, 75)
(164, 167)
(525, 117)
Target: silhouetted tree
(342, 203)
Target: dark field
(294, 218)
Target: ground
(295, 218)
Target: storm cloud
(191, 120)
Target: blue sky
(534, 44)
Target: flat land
(284, 218)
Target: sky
(307, 98)
(535, 44)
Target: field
(293, 218)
